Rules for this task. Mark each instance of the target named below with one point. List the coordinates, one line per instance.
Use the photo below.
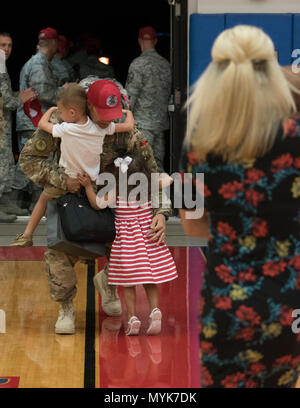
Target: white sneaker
(66, 319)
(110, 300)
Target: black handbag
(57, 240)
(81, 222)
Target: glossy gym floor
(99, 355)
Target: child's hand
(84, 180)
(44, 123)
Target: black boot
(7, 218)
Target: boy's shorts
(53, 192)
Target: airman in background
(149, 88)
(37, 72)
(10, 102)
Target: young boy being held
(81, 139)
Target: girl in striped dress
(135, 259)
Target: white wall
(243, 6)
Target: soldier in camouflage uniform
(11, 101)
(149, 88)
(62, 69)
(35, 163)
(36, 72)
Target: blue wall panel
(296, 35)
(204, 28)
(278, 26)
(284, 29)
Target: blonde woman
(243, 135)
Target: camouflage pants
(7, 162)
(157, 142)
(61, 275)
(21, 181)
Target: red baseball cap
(33, 109)
(105, 96)
(48, 34)
(147, 33)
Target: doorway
(115, 23)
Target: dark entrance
(116, 24)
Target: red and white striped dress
(133, 259)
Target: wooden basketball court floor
(98, 355)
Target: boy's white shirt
(81, 146)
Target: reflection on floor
(170, 360)
(33, 356)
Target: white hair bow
(123, 163)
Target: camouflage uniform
(149, 87)
(36, 165)
(37, 72)
(1, 122)
(62, 71)
(7, 164)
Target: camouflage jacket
(62, 71)
(37, 72)
(39, 158)
(1, 122)
(11, 101)
(149, 88)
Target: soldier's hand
(158, 228)
(27, 94)
(73, 185)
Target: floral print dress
(252, 280)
